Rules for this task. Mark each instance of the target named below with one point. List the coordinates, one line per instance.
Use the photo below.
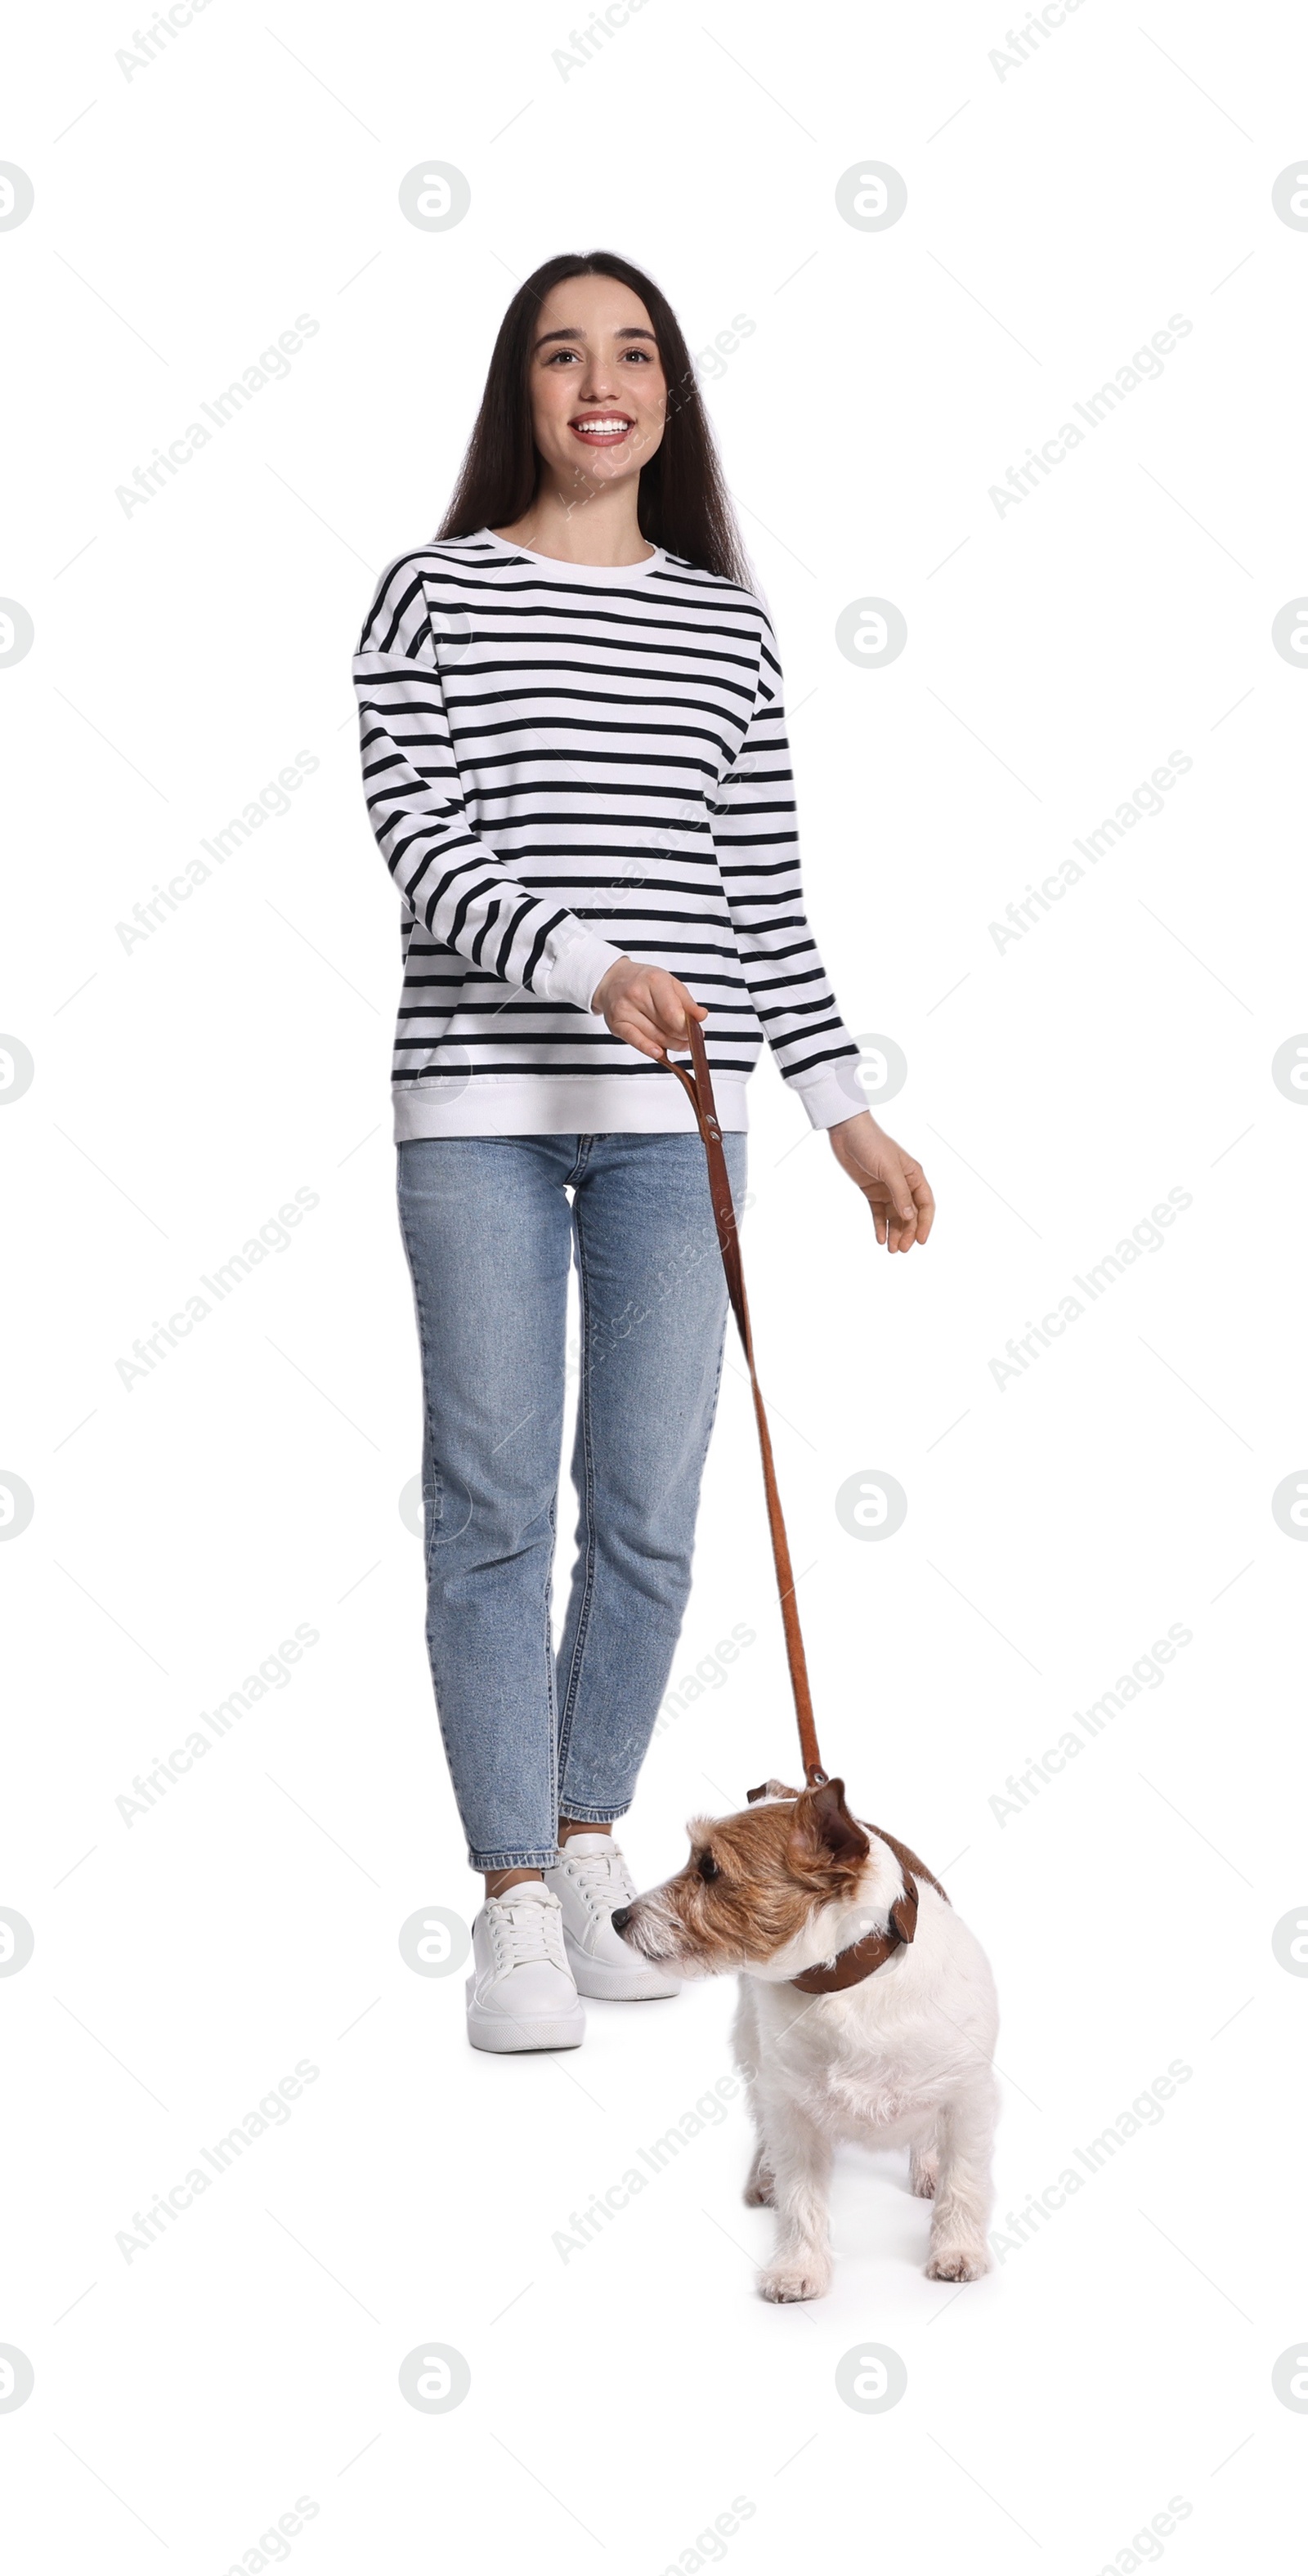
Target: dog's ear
(769, 1789)
(824, 1833)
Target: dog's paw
(958, 2263)
(809, 2279)
(923, 2173)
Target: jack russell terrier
(867, 2010)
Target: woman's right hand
(646, 1007)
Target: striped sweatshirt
(565, 764)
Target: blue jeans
(490, 1233)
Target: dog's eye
(707, 1866)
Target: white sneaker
(592, 1879)
(521, 1993)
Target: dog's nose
(621, 1918)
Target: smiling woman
(576, 766)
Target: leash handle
(698, 1087)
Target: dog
(867, 2010)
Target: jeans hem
(583, 1815)
(542, 1859)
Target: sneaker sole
(619, 1984)
(503, 2037)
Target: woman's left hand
(895, 1187)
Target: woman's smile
(603, 429)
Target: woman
(575, 761)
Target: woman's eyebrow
(631, 331)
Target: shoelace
(604, 1879)
(529, 1931)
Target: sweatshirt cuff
(572, 963)
(831, 1092)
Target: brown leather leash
(698, 1088)
(862, 1959)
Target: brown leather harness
(862, 1958)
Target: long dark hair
(682, 503)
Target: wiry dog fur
(901, 2059)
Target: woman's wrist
(596, 1002)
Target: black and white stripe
(564, 764)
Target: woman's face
(598, 391)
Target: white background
(186, 1086)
